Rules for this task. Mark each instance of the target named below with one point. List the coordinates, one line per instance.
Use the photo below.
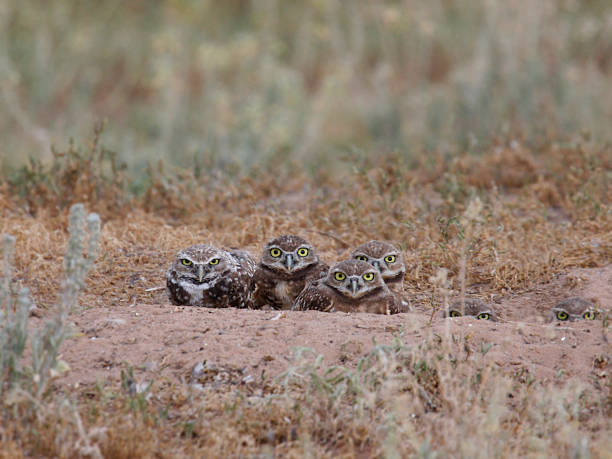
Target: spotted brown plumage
(287, 264)
(203, 275)
(350, 286)
(389, 260)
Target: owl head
(289, 254)
(354, 278)
(200, 263)
(572, 309)
(383, 256)
(474, 308)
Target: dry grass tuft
(94, 176)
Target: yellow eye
(361, 257)
(302, 252)
(588, 315)
(214, 261)
(562, 315)
(368, 276)
(275, 252)
(339, 276)
(186, 262)
(483, 316)
(390, 258)
(454, 313)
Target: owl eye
(390, 258)
(275, 252)
(214, 261)
(302, 252)
(361, 257)
(186, 262)
(455, 313)
(562, 315)
(339, 276)
(588, 315)
(368, 276)
(483, 316)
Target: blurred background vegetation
(230, 84)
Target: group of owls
(290, 275)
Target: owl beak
(376, 264)
(354, 286)
(201, 272)
(289, 262)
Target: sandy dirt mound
(161, 340)
(592, 284)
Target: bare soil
(162, 340)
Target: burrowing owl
(203, 275)
(473, 307)
(287, 264)
(388, 260)
(350, 286)
(572, 309)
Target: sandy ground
(161, 340)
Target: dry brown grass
(440, 397)
(543, 213)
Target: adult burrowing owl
(388, 260)
(572, 309)
(473, 307)
(287, 264)
(203, 275)
(350, 286)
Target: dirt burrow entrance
(161, 340)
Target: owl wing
(176, 294)
(245, 260)
(314, 297)
(262, 287)
(394, 304)
(232, 288)
(397, 288)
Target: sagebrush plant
(44, 344)
(13, 321)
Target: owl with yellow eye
(287, 264)
(473, 307)
(572, 309)
(203, 275)
(389, 261)
(350, 286)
